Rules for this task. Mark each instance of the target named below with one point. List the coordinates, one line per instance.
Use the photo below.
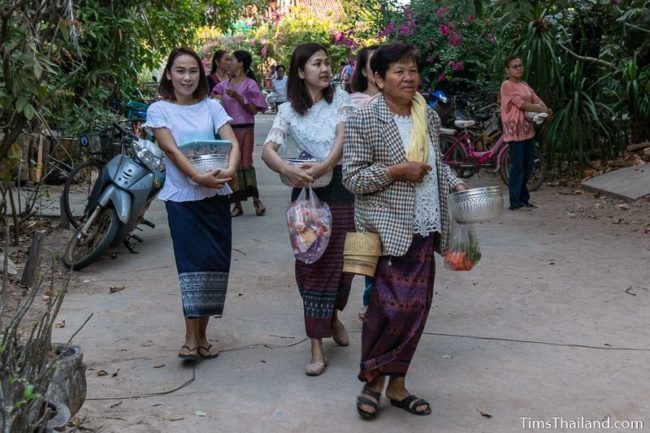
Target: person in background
(365, 91)
(517, 97)
(197, 203)
(218, 68)
(315, 119)
(346, 75)
(278, 93)
(242, 98)
(393, 165)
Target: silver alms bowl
(476, 205)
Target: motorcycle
(121, 195)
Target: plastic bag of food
(463, 252)
(310, 226)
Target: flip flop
(361, 401)
(207, 352)
(411, 404)
(188, 355)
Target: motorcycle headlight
(149, 153)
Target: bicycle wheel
(537, 177)
(83, 249)
(77, 190)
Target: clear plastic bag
(463, 252)
(310, 226)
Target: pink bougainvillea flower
(443, 29)
(452, 24)
(455, 39)
(429, 60)
(472, 18)
(263, 52)
(457, 66)
(442, 76)
(442, 11)
(264, 42)
(404, 31)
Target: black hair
(509, 59)
(297, 92)
(246, 58)
(215, 58)
(166, 88)
(359, 81)
(281, 66)
(388, 54)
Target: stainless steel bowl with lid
(476, 205)
(322, 181)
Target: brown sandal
(237, 210)
(259, 207)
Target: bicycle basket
(98, 144)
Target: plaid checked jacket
(372, 144)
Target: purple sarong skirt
(402, 292)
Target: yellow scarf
(418, 148)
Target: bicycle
(459, 152)
(101, 147)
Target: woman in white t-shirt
(197, 203)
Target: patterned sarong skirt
(323, 285)
(401, 297)
(202, 239)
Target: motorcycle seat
(447, 131)
(464, 123)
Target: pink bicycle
(460, 153)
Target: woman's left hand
(234, 94)
(316, 169)
(460, 187)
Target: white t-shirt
(187, 123)
(279, 88)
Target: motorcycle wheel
(83, 250)
(539, 170)
(76, 191)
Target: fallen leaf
(447, 356)
(115, 289)
(147, 344)
(199, 413)
(115, 374)
(102, 373)
(159, 366)
(60, 324)
(623, 206)
(262, 361)
(571, 214)
(485, 414)
(116, 404)
(175, 418)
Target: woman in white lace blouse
(392, 163)
(314, 116)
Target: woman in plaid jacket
(392, 164)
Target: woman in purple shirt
(242, 98)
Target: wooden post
(30, 273)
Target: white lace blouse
(427, 200)
(313, 132)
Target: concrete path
(552, 323)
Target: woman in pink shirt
(516, 98)
(242, 98)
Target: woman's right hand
(409, 171)
(211, 179)
(297, 176)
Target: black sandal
(361, 400)
(237, 210)
(207, 354)
(411, 404)
(260, 210)
(188, 355)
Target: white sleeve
(156, 117)
(280, 129)
(218, 115)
